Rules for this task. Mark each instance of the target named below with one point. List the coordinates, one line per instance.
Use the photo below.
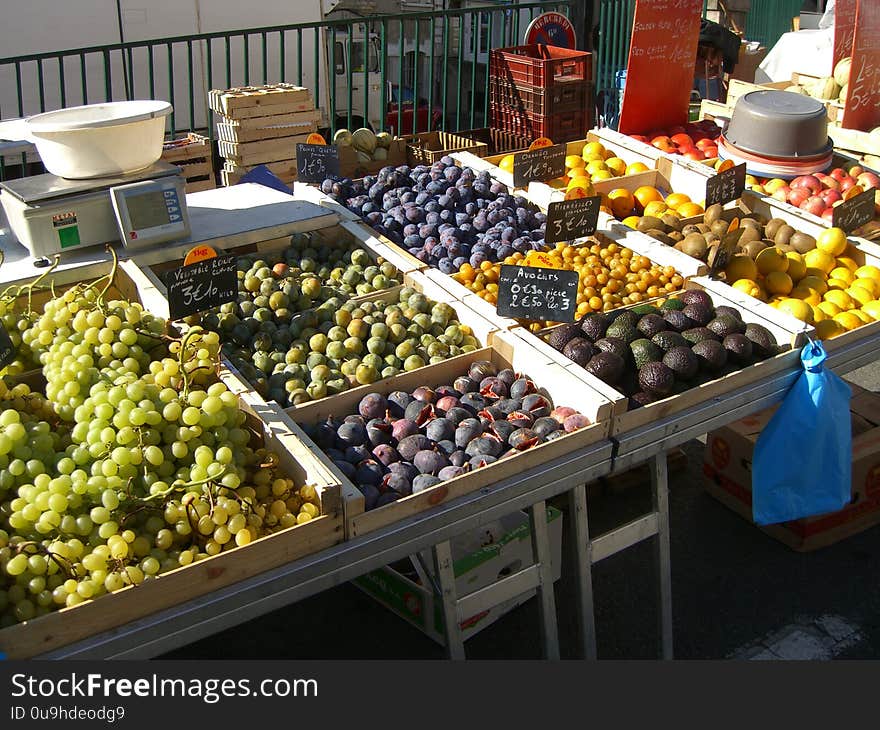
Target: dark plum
(411, 445)
(373, 405)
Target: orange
(622, 202)
(593, 149)
(778, 282)
(595, 166)
(647, 194)
(832, 241)
(580, 182)
(616, 165)
(655, 208)
(689, 210)
(673, 200)
(636, 167)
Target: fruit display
(628, 206)
(694, 141)
(336, 346)
(368, 145)
(827, 88)
(655, 350)
(405, 442)
(443, 215)
(136, 461)
(819, 194)
(611, 275)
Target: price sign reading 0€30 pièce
(202, 285)
(570, 219)
(536, 293)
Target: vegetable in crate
(443, 215)
(678, 354)
(137, 461)
(403, 443)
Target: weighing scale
(50, 214)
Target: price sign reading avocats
(570, 219)
(726, 186)
(7, 348)
(202, 285)
(527, 292)
(316, 162)
(854, 212)
(540, 165)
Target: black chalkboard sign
(316, 162)
(725, 251)
(854, 212)
(570, 219)
(201, 286)
(726, 186)
(542, 164)
(532, 292)
(7, 348)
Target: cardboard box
(728, 470)
(481, 558)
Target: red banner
(862, 108)
(660, 69)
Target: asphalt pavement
(737, 594)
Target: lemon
(632, 221)
(771, 259)
(840, 298)
(818, 315)
(506, 163)
(812, 281)
(864, 316)
(842, 273)
(860, 295)
(581, 182)
(797, 269)
(837, 284)
(872, 309)
(847, 263)
(797, 309)
(867, 272)
(829, 308)
(872, 285)
(741, 266)
(592, 149)
(601, 175)
(821, 260)
(778, 282)
(636, 167)
(616, 165)
(828, 329)
(750, 287)
(656, 208)
(847, 320)
(596, 166)
(832, 241)
(805, 294)
(573, 161)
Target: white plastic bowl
(99, 140)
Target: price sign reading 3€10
(202, 285)
(570, 219)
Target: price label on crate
(527, 292)
(7, 348)
(854, 212)
(726, 186)
(540, 165)
(570, 219)
(316, 162)
(200, 286)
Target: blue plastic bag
(264, 176)
(803, 458)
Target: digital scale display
(147, 210)
(151, 211)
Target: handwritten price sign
(862, 107)
(527, 292)
(726, 186)
(203, 285)
(854, 212)
(570, 219)
(316, 162)
(542, 164)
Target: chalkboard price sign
(854, 212)
(527, 292)
(316, 162)
(540, 165)
(570, 219)
(202, 286)
(7, 348)
(726, 186)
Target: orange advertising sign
(202, 252)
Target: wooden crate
(247, 154)
(254, 101)
(194, 156)
(429, 147)
(284, 170)
(563, 388)
(262, 128)
(736, 88)
(69, 625)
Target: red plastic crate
(562, 127)
(499, 141)
(539, 65)
(569, 96)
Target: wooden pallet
(253, 101)
(286, 125)
(248, 154)
(193, 155)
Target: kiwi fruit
(713, 213)
(675, 236)
(660, 236)
(690, 228)
(694, 245)
(802, 242)
(719, 227)
(784, 247)
(672, 221)
(702, 227)
(751, 223)
(749, 233)
(753, 248)
(783, 234)
(649, 222)
(773, 225)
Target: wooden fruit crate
(262, 128)
(429, 147)
(284, 170)
(249, 154)
(736, 88)
(193, 155)
(69, 625)
(247, 102)
(504, 352)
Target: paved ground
(737, 594)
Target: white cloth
(805, 51)
(827, 20)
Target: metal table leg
(660, 488)
(583, 556)
(442, 553)
(546, 595)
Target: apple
(846, 184)
(781, 192)
(775, 183)
(828, 215)
(810, 182)
(828, 182)
(796, 196)
(640, 138)
(838, 173)
(855, 171)
(682, 140)
(830, 196)
(814, 204)
(711, 152)
(868, 180)
(694, 154)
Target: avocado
(625, 315)
(656, 379)
(696, 296)
(698, 334)
(579, 350)
(700, 314)
(595, 325)
(724, 325)
(711, 354)
(645, 351)
(763, 342)
(637, 400)
(623, 329)
(672, 303)
(650, 324)
(614, 344)
(668, 339)
(643, 309)
(628, 383)
(739, 349)
(678, 320)
(730, 311)
(562, 335)
(682, 362)
(606, 366)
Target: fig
(386, 454)
(458, 458)
(467, 431)
(424, 394)
(379, 432)
(371, 495)
(560, 413)
(503, 429)
(481, 369)
(440, 429)
(429, 461)
(411, 445)
(402, 428)
(523, 438)
(373, 405)
(398, 483)
(356, 454)
(574, 422)
(545, 426)
(521, 388)
(446, 403)
(369, 472)
(457, 415)
(424, 481)
(488, 443)
(537, 405)
(450, 472)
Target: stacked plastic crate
(541, 91)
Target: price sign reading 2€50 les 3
(202, 285)
(570, 219)
(540, 165)
(535, 293)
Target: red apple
(868, 180)
(682, 140)
(828, 215)
(814, 204)
(694, 154)
(704, 142)
(855, 171)
(796, 196)
(810, 182)
(711, 152)
(781, 193)
(828, 182)
(830, 196)
(846, 184)
(838, 173)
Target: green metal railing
(182, 69)
(769, 19)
